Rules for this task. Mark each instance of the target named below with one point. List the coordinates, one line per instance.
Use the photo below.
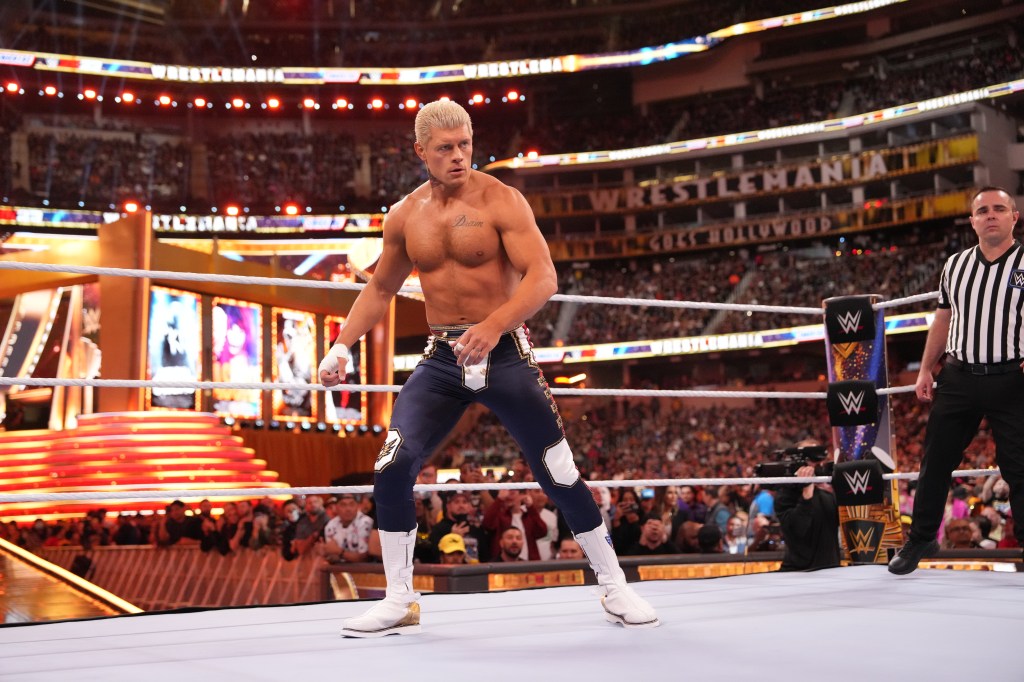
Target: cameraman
(809, 517)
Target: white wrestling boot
(398, 613)
(621, 603)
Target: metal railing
(162, 578)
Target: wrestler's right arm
(393, 267)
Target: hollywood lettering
(765, 230)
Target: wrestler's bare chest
(462, 236)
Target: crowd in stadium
(896, 264)
(405, 33)
(320, 167)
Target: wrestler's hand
(334, 364)
(923, 387)
(475, 343)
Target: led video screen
(237, 357)
(346, 407)
(295, 362)
(175, 339)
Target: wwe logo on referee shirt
(1017, 279)
(852, 402)
(858, 481)
(850, 321)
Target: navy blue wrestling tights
(511, 385)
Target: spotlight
(238, 102)
(231, 210)
(377, 429)
(291, 209)
(164, 100)
(13, 87)
(341, 103)
(349, 429)
(50, 90)
(128, 97)
(336, 428)
(273, 103)
(363, 429)
(309, 103)
(275, 425)
(200, 102)
(306, 426)
(377, 103)
(131, 206)
(89, 93)
(229, 421)
(289, 426)
(258, 424)
(320, 426)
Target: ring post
(862, 433)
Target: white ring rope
(435, 487)
(356, 286)
(906, 300)
(384, 388)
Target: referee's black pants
(961, 400)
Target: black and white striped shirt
(986, 298)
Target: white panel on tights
(558, 462)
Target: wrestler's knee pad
(559, 464)
(561, 480)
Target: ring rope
(906, 300)
(437, 487)
(385, 388)
(356, 286)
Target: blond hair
(442, 115)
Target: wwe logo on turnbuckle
(849, 322)
(858, 481)
(862, 540)
(852, 402)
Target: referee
(978, 327)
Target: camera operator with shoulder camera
(808, 515)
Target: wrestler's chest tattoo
(462, 220)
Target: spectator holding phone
(626, 522)
(460, 519)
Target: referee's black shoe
(910, 555)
